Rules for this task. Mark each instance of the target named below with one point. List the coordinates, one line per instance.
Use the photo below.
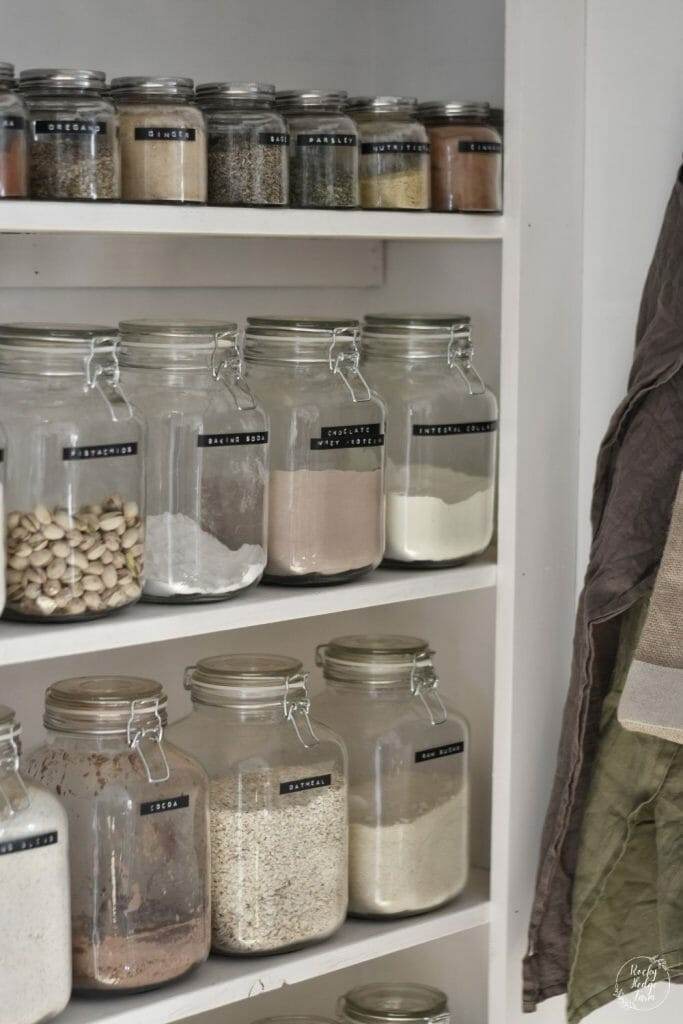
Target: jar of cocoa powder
(13, 138)
(467, 157)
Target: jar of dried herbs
(13, 138)
(323, 150)
(163, 140)
(467, 157)
(394, 153)
(73, 132)
(248, 155)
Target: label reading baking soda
(227, 440)
(470, 146)
(74, 127)
(449, 429)
(299, 785)
(350, 435)
(394, 147)
(273, 139)
(326, 139)
(100, 451)
(446, 750)
(161, 134)
(28, 843)
(170, 803)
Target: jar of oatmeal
(13, 138)
(163, 140)
(394, 153)
(467, 157)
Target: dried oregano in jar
(394, 153)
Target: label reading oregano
(170, 803)
(299, 785)
(75, 127)
(450, 429)
(28, 843)
(350, 435)
(99, 451)
(326, 139)
(470, 146)
(228, 440)
(446, 750)
(164, 134)
(390, 146)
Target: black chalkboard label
(99, 451)
(12, 122)
(162, 134)
(394, 147)
(74, 127)
(2, 455)
(449, 429)
(170, 803)
(444, 751)
(326, 139)
(350, 435)
(227, 440)
(299, 785)
(273, 139)
(470, 146)
(28, 843)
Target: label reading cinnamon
(162, 134)
(299, 785)
(74, 127)
(28, 843)
(12, 122)
(171, 803)
(227, 440)
(470, 146)
(326, 139)
(99, 451)
(273, 139)
(350, 435)
(450, 429)
(394, 147)
(444, 751)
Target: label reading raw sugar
(467, 146)
(171, 803)
(299, 785)
(449, 429)
(445, 751)
(227, 440)
(28, 843)
(12, 123)
(394, 147)
(326, 139)
(161, 134)
(99, 451)
(352, 435)
(273, 139)
(75, 127)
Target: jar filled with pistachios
(74, 474)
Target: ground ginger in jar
(466, 156)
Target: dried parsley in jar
(394, 153)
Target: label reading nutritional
(28, 843)
(299, 785)
(171, 803)
(352, 435)
(394, 147)
(12, 123)
(445, 751)
(326, 139)
(99, 451)
(273, 139)
(75, 127)
(465, 146)
(449, 429)
(227, 440)
(162, 134)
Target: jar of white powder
(408, 774)
(278, 803)
(35, 954)
(207, 459)
(394, 1003)
(441, 438)
(326, 519)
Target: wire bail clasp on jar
(459, 358)
(13, 793)
(424, 683)
(296, 706)
(144, 732)
(102, 371)
(346, 362)
(227, 366)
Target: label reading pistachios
(28, 843)
(394, 147)
(74, 127)
(444, 751)
(171, 803)
(161, 134)
(350, 435)
(299, 785)
(470, 146)
(326, 139)
(446, 429)
(227, 440)
(99, 451)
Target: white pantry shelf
(22, 642)
(225, 980)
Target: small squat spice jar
(323, 150)
(467, 157)
(13, 138)
(74, 135)
(394, 153)
(248, 144)
(163, 140)
(394, 1003)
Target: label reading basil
(467, 146)
(445, 751)
(162, 134)
(225, 440)
(446, 429)
(75, 127)
(171, 803)
(273, 139)
(12, 122)
(99, 451)
(325, 139)
(351, 435)
(394, 147)
(28, 843)
(299, 785)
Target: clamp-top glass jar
(206, 458)
(74, 135)
(248, 144)
(467, 157)
(13, 138)
(441, 448)
(34, 882)
(323, 149)
(74, 474)
(138, 826)
(163, 140)
(278, 803)
(394, 153)
(408, 774)
(326, 521)
(394, 1003)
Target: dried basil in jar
(394, 153)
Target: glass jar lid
(6, 73)
(236, 91)
(296, 1019)
(148, 87)
(103, 704)
(8, 724)
(302, 339)
(451, 109)
(376, 658)
(296, 99)
(226, 679)
(394, 1001)
(50, 336)
(382, 104)
(413, 336)
(61, 80)
(148, 333)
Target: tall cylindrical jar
(3, 547)
(408, 774)
(248, 144)
(441, 438)
(394, 1002)
(163, 140)
(206, 458)
(326, 507)
(35, 944)
(138, 825)
(467, 157)
(74, 485)
(13, 138)
(73, 133)
(278, 803)
(394, 153)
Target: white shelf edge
(225, 980)
(148, 623)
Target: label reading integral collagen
(71, 127)
(171, 803)
(226, 440)
(394, 147)
(12, 122)
(465, 146)
(449, 429)
(445, 751)
(350, 435)
(28, 843)
(100, 451)
(299, 785)
(162, 134)
(273, 139)
(325, 139)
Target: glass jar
(467, 157)
(206, 459)
(74, 474)
(408, 774)
(394, 1002)
(278, 803)
(73, 133)
(441, 458)
(138, 827)
(323, 150)
(326, 518)
(34, 882)
(394, 153)
(163, 140)
(13, 138)
(248, 144)
(3, 549)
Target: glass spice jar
(35, 946)
(394, 153)
(323, 150)
(408, 774)
(13, 138)
(248, 144)
(74, 135)
(467, 157)
(326, 497)
(206, 459)
(138, 826)
(441, 446)
(3, 555)
(278, 804)
(74, 520)
(163, 140)
(394, 1002)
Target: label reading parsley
(470, 146)
(449, 429)
(74, 127)
(273, 139)
(326, 139)
(28, 843)
(444, 751)
(228, 440)
(171, 803)
(161, 134)
(12, 123)
(299, 785)
(394, 147)
(351, 435)
(99, 451)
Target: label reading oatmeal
(444, 751)
(449, 429)
(299, 785)
(28, 843)
(350, 435)
(171, 803)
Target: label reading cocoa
(99, 451)
(299, 785)
(228, 440)
(350, 435)
(326, 139)
(444, 751)
(449, 429)
(273, 139)
(75, 127)
(394, 147)
(28, 843)
(470, 146)
(163, 134)
(12, 122)
(170, 803)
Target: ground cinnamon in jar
(467, 157)
(13, 138)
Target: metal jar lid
(49, 337)
(102, 704)
(382, 104)
(144, 87)
(374, 658)
(394, 1001)
(440, 324)
(414, 336)
(301, 339)
(235, 91)
(205, 334)
(451, 109)
(61, 80)
(6, 73)
(227, 679)
(296, 99)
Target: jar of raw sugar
(441, 438)
(394, 153)
(326, 505)
(398, 1002)
(207, 458)
(408, 774)
(13, 138)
